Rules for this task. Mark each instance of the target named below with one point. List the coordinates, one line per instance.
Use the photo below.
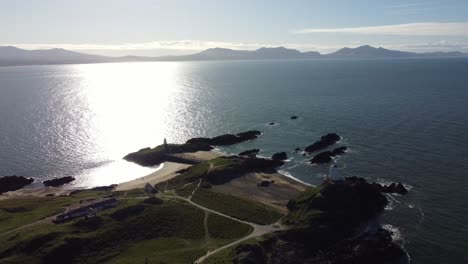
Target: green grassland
(236, 207)
(133, 232)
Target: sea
(403, 120)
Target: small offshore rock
(13, 183)
(249, 152)
(58, 181)
(279, 156)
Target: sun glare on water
(127, 109)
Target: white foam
(287, 174)
(396, 234)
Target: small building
(86, 211)
(150, 189)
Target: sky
(162, 27)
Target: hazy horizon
(156, 28)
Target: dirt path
(258, 230)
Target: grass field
(130, 233)
(27, 210)
(239, 208)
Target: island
(202, 206)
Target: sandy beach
(168, 170)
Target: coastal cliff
(328, 224)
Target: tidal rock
(251, 152)
(325, 141)
(294, 117)
(393, 188)
(297, 150)
(322, 157)
(272, 124)
(279, 156)
(326, 156)
(58, 181)
(13, 183)
(339, 151)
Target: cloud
(411, 29)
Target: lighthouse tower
(334, 174)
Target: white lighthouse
(334, 174)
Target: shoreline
(164, 172)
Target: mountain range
(12, 56)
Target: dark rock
(327, 224)
(227, 139)
(294, 117)
(13, 183)
(297, 150)
(158, 155)
(339, 151)
(272, 124)
(323, 157)
(265, 183)
(325, 141)
(326, 156)
(249, 152)
(279, 156)
(58, 181)
(392, 188)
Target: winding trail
(258, 230)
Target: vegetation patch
(236, 207)
(103, 238)
(21, 211)
(225, 228)
(187, 190)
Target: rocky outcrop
(294, 117)
(58, 181)
(227, 139)
(272, 124)
(13, 183)
(327, 225)
(339, 151)
(279, 156)
(327, 156)
(265, 183)
(160, 154)
(322, 157)
(392, 188)
(325, 141)
(251, 152)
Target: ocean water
(403, 121)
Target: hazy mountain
(11, 56)
(369, 52)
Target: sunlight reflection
(128, 104)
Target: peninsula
(201, 207)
